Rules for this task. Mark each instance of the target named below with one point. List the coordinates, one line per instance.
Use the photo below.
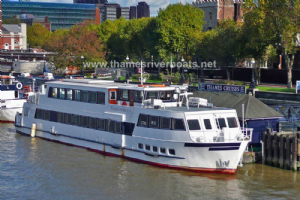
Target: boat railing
(224, 135)
(34, 98)
(247, 134)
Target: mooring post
(288, 153)
(269, 146)
(294, 163)
(281, 152)
(275, 150)
(264, 139)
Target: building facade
(132, 12)
(219, 10)
(90, 1)
(143, 10)
(108, 11)
(60, 15)
(123, 12)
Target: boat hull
(205, 158)
(7, 115)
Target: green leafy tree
(37, 35)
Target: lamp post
(82, 59)
(127, 73)
(252, 84)
(44, 56)
(12, 68)
(182, 80)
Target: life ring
(19, 86)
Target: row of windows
(162, 150)
(220, 122)
(125, 95)
(160, 122)
(77, 95)
(86, 122)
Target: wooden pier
(281, 149)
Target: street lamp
(82, 59)
(252, 84)
(127, 73)
(44, 56)
(182, 80)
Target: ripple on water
(32, 168)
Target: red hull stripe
(193, 169)
(6, 121)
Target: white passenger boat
(144, 123)
(10, 101)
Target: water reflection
(32, 168)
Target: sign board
(297, 87)
(222, 88)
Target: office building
(108, 11)
(143, 10)
(132, 12)
(90, 1)
(60, 15)
(123, 12)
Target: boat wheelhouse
(145, 123)
(10, 101)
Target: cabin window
(93, 97)
(166, 95)
(69, 94)
(60, 117)
(143, 120)
(194, 125)
(221, 123)
(110, 126)
(124, 95)
(39, 114)
(101, 124)
(113, 95)
(207, 124)
(162, 150)
(147, 147)
(84, 96)
(68, 118)
(128, 128)
(165, 123)
(76, 120)
(138, 96)
(54, 93)
(118, 127)
(140, 146)
(77, 95)
(62, 93)
(178, 124)
(151, 95)
(232, 123)
(101, 98)
(92, 123)
(46, 115)
(84, 121)
(153, 122)
(154, 148)
(172, 151)
(53, 116)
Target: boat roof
(109, 84)
(195, 109)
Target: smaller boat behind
(10, 101)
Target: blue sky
(154, 4)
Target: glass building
(61, 15)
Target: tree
(38, 35)
(278, 23)
(13, 20)
(177, 26)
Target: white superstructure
(146, 123)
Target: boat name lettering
(125, 110)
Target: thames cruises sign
(222, 88)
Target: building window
(207, 124)
(194, 125)
(232, 123)
(178, 124)
(210, 16)
(165, 123)
(153, 122)
(143, 120)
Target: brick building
(219, 10)
(12, 36)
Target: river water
(32, 168)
